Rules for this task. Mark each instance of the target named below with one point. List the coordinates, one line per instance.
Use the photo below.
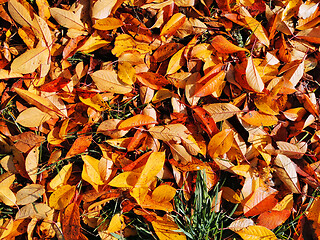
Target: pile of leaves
(159, 119)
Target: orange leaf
(220, 143)
(152, 80)
(259, 119)
(71, 222)
(166, 51)
(273, 219)
(109, 23)
(136, 121)
(262, 200)
(136, 140)
(211, 86)
(79, 146)
(137, 163)
(174, 23)
(222, 45)
(116, 224)
(205, 119)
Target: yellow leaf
(150, 203)
(93, 43)
(126, 73)
(267, 104)
(241, 170)
(125, 42)
(9, 74)
(285, 204)
(6, 227)
(167, 229)
(116, 224)
(62, 177)
(220, 143)
(61, 197)
(95, 102)
(162, 94)
(256, 233)
(90, 172)
(174, 23)
(257, 30)
(6, 195)
(292, 8)
(153, 166)
(125, 180)
(176, 62)
(151, 169)
(163, 193)
(295, 114)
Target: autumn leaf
(253, 77)
(122, 119)
(256, 232)
(174, 23)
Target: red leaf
(205, 118)
(55, 85)
(137, 163)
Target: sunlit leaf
(174, 23)
(287, 173)
(220, 143)
(61, 197)
(136, 121)
(253, 77)
(257, 232)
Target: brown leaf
(71, 222)
(27, 140)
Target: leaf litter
(118, 118)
